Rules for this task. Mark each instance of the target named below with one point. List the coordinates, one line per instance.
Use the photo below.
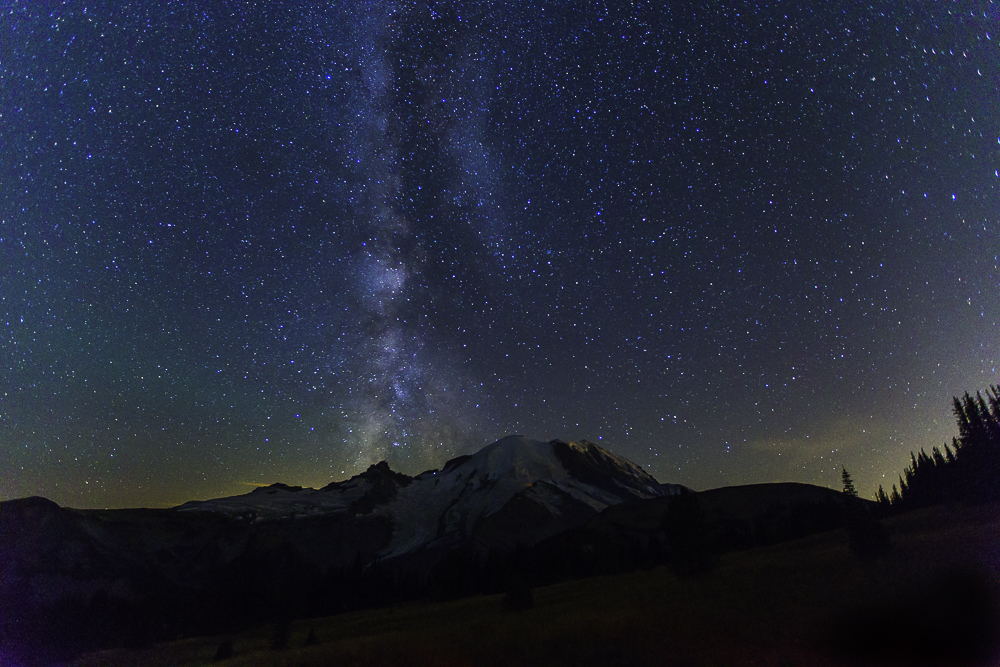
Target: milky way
(248, 243)
(405, 389)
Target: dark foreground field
(931, 601)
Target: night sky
(243, 242)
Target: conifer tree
(849, 489)
(939, 460)
(895, 498)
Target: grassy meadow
(805, 602)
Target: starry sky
(247, 242)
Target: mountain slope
(357, 495)
(558, 484)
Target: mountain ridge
(378, 536)
(596, 457)
(559, 483)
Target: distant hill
(747, 502)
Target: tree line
(968, 469)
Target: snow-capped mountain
(281, 501)
(516, 490)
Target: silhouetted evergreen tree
(883, 502)
(848, 483)
(939, 461)
(950, 451)
(895, 498)
(923, 481)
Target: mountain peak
(483, 496)
(277, 486)
(381, 466)
(381, 472)
(535, 460)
